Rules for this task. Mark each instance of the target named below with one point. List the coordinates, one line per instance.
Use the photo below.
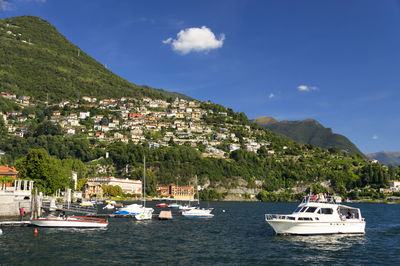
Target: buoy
(35, 232)
(223, 210)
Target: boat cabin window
(311, 209)
(305, 219)
(291, 218)
(303, 209)
(298, 209)
(325, 211)
(349, 213)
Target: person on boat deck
(348, 215)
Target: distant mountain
(386, 157)
(36, 60)
(308, 131)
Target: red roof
(7, 171)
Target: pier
(14, 223)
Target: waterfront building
(91, 189)
(394, 185)
(127, 185)
(14, 193)
(177, 192)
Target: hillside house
(84, 115)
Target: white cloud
(7, 5)
(195, 40)
(307, 88)
(4, 5)
(271, 95)
(375, 137)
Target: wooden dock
(15, 223)
(113, 215)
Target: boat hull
(317, 228)
(69, 223)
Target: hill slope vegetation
(38, 61)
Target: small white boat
(87, 204)
(145, 213)
(174, 205)
(70, 221)
(130, 209)
(108, 207)
(198, 213)
(315, 217)
(1, 232)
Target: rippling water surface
(237, 234)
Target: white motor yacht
(314, 217)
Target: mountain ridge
(386, 157)
(308, 131)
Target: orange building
(178, 192)
(90, 189)
(8, 172)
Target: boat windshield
(298, 209)
(311, 209)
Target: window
(298, 209)
(290, 218)
(305, 219)
(303, 209)
(326, 211)
(311, 209)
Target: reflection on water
(325, 242)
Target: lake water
(238, 236)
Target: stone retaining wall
(12, 208)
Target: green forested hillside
(38, 61)
(309, 131)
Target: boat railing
(321, 199)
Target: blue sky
(334, 61)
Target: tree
(47, 172)
(3, 129)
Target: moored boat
(130, 209)
(174, 205)
(198, 213)
(70, 221)
(315, 217)
(145, 213)
(162, 205)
